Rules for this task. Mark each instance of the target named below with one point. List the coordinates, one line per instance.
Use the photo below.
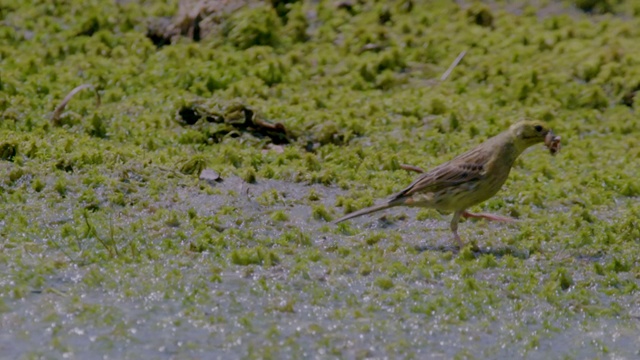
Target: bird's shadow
(497, 252)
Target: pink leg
(492, 217)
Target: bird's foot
(492, 217)
(456, 237)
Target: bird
(470, 178)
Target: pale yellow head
(527, 133)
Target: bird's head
(527, 133)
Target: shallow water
(198, 305)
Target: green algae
(104, 217)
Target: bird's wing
(468, 167)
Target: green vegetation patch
(182, 206)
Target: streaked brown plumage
(470, 178)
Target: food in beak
(552, 142)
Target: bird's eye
(538, 128)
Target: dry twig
(55, 118)
(453, 65)
(411, 168)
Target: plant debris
(232, 119)
(57, 113)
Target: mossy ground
(110, 244)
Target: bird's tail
(368, 210)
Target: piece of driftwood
(234, 118)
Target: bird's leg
(493, 217)
(454, 227)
